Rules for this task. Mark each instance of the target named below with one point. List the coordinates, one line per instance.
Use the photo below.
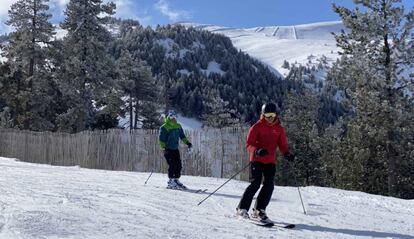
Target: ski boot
(172, 184)
(242, 213)
(179, 184)
(260, 216)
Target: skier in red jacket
(264, 137)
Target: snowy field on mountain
(273, 45)
(42, 201)
(172, 50)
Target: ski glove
(190, 145)
(289, 157)
(261, 152)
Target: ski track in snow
(42, 201)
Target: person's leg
(168, 158)
(176, 162)
(265, 194)
(177, 166)
(255, 180)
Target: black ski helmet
(269, 108)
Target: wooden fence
(216, 152)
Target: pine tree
(300, 120)
(31, 104)
(329, 148)
(126, 73)
(377, 51)
(216, 113)
(139, 86)
(6, 119)
(286, 64)
(145, 93)
(87, 73)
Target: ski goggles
(270, 115)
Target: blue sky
(231, 13)
(251, 13)
(237, 13)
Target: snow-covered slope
(2, 59)
(274, 44)
(41, 201)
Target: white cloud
(4, 9)
(56, 8)
(5, 6)
(61, 3)
(173, 15)
(124, 9)
(127, 9)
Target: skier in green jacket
(170, 134)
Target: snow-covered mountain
(42, 201)
(274, 44)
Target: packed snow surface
(42, 201)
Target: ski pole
(153, 168)
(296, 182)
(148, 178)
(224, 184)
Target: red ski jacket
(269, 137)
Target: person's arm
(184, 139)
(163, 137)
(251, 142)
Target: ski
(261, 224)
(258, 223)
(189, 190)
(195, 190)
(250, 220)
(273, 224)
(284, 225)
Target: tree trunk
(131, 117)
(222, 154)
(390, 99)
(136, 116)
(32, 57)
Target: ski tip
(261, 224)
(285, 225)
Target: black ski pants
(174, 163)
(257, 171)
